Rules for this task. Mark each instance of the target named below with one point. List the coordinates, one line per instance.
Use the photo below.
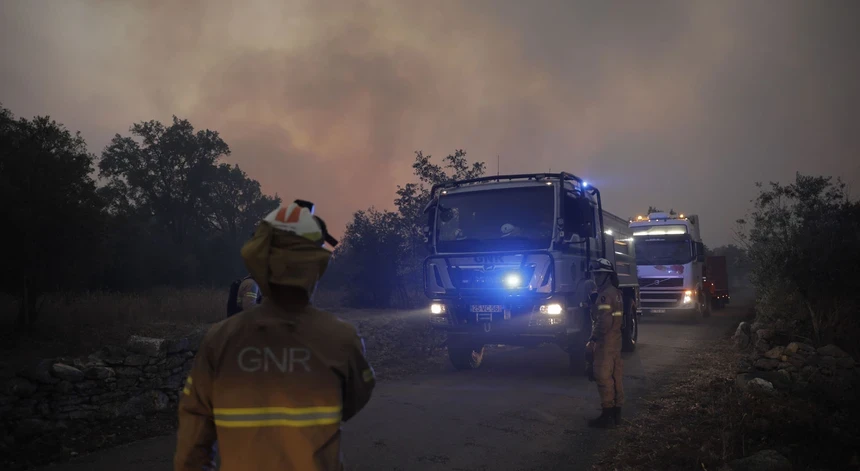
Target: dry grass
(700, 419)
(397, 341)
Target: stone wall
(775, 363)
(144, 377)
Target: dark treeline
(156, 208)
(159, 208)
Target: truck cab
(670, 258)
(509, 263)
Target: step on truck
(670, 259)
(509, 264)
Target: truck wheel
(630, 333)
(466, 358)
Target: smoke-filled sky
(681, 104)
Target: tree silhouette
(52, 210)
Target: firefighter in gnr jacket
(272, 386)
(607, 316)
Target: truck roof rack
(522, 176)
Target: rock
(775, 378)
(766, 364)
(147, 346)
(178, 345)
(40, 373)
(796, 361)
(174, 361)
(20, 387)
(108, 397)
(832, 351)
(136, 360)
(87, 386)
(149, 402)
(765, 460)
(81, 414)
(786, 374)
(784, 365)
(66, 372)
(111, 355)
(742, 335)
(128, 371)
(813, 360)
(799, 347)
(174, 382)
(845, 362)
(758, 385)
(28, 428)
(98, 372)
(65, 387)
(765, 334)
(774, 353)
(762, 345)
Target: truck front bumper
(522, 323)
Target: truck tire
(466, 358)
(630, 332)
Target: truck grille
(476, 278)
(661, 282)
(660, 300)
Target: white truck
(670, 259)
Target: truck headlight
(553, 309)
(688, 297)
(437, 308)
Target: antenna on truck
(498, 164)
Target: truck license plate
(658, 311)
(486, 308)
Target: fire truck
(509, 263)
(670, 258)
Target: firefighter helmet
(298, 218)
(601, 265)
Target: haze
(678, 104)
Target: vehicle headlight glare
(513, 280)
(437, 308)
(551, 309)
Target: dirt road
(520, 411)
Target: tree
(802, 242)
(234, 208)
(395, 236)
(165, 175)
(236, 204)
(54, 215)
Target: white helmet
(298, 218)
(601, 265)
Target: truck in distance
(717, 277)
(670, 258)
(509, 263)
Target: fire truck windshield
(668, 250)
(496, 220)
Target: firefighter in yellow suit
(272, 384)
(607, 316)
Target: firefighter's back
(277, 389)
